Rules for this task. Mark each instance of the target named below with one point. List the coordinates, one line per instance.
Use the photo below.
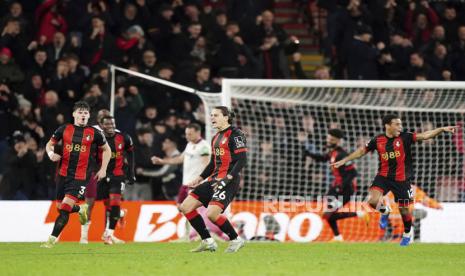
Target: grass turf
(253, 259)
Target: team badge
(224, 141)
(120, 146)
(397, 144)
(88, 137)
(239, 142)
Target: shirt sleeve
(99, 138)
(129, 145)
(58, 134)
(371, 145)
(237, 144)
(238, 149)
(409, 137)
(205, 150)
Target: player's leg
(103, 194)
(201, 195)
(223, 195)
(68, 191)
(376, 192)
(116, 188)
(404, 197)
(90, 195)
(182, 195)
(339, 197)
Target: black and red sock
(62, 219)
(407, 220)
(334, 217)
(197, 222)
(223, 223)
(115, 208)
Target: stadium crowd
(55, 52)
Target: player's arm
(131, 159)
(317, 156)
(168, 160)
(354, 155)
(370, 146)
(106, 155)
(238, 148)
(50, 146)
(433, 133)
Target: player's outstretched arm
(435, 132)
(354, 155)
(168, 161)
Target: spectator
(9, 70)
(458, 55)
(170, 176)
(8, 104)
(18, 181)
(363, 58)
(149, 61)
(50, 21)
(160, 31)
(56, 50)
(14, 38)
(52, 114)
(128, 103)
(41, 65)
(419, 66)
(34, 90)
(420, 21)
(142, 189)
(451, 24)
(99, 45)
(148, 119)
(440, 63)
(16, 12)
(183, 44)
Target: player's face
(394, 128)
(219, 121)
(81, 117)
(192, 135)
(109, 126)
(331, 141)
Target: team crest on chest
(397, 143)
(88, 137)
(120, 146)
(224, 141)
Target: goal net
(281, 194)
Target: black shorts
(223, 196)
(402, 190)
(343, 192)
(110, 185)
(70, 186)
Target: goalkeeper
(344, 184)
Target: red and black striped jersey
(119, 144)
(395, 155)
(229, 153)
(336, 154)
(77, 149)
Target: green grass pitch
(254, 259)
